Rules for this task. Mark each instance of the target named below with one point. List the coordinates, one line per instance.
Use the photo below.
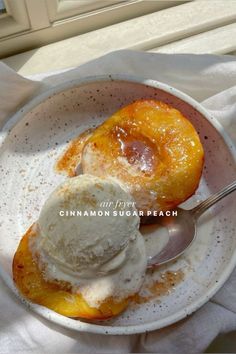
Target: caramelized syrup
(138, 150)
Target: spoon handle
(202, 207)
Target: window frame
(15, 20)
(64, 9)
(31, 31)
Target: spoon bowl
(182, 229)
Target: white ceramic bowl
(35, 136)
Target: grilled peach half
(152, 149)
(56, 296)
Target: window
(13, 17)
(28, 24)
(61, 9)
(2, 8)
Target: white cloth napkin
(210, 80)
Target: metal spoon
(182, 228)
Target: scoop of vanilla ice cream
(89, 236)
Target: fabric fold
(209, 79)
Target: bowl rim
(109, 329)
